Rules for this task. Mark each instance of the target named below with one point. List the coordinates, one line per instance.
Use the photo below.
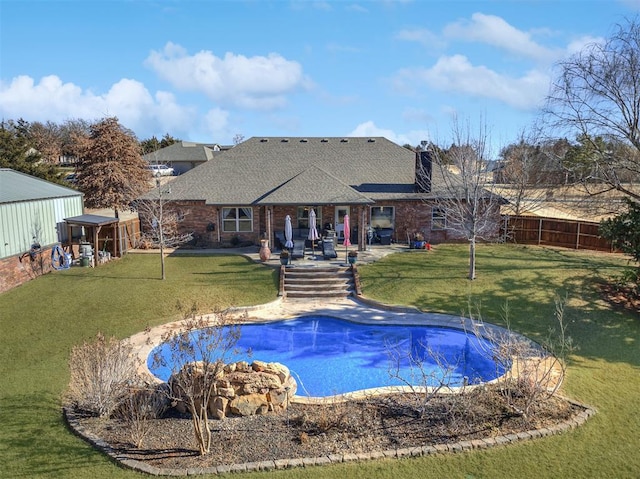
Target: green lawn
(42, 320)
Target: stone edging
(461, 446)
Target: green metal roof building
(32, 210)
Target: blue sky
(208, 70)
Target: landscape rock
(244, 389)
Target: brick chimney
(423, 170)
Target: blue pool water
(329, 356)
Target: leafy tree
(624, 231)
(153, 144)
(597, 98)
(18, 153)
(111, 172)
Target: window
(438, 219)
(303, 216)
(237, 220)
(382, 217)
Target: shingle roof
(314, 186)
(181, 151)
(301, 170)
(16, 186)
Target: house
(245, 193)
(183, 156)
(32, 214)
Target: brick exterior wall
(17, 270)
(410, 217)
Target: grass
(42, 320)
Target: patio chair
(298, 249)
(280, 240)
(328, 250)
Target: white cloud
(52, 100)
(581, 43)
(369, 129)
(495, 31)
(422, 36)
(354, 7)
(216, 123)
(259, 82)
(457, 74)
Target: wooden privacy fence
(554, 232)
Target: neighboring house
(184, 155)
(32, 213)
(246, 193)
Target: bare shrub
(335, 414)
(198, 349)
(141, 406)
(101, 373)
(429, 373)
(533, 372)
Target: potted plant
(284, 257)
(418, 241)
(352, 256)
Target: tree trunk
(472, 259)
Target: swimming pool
(329, 356)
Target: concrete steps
(318, 282)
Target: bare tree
(596, 97)
(47, 139)
(197, 353)
(74, 134)
(461, 189)
(523, 174)
(112, 172)
(160, 225)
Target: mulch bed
(305, 430)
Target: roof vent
(372, 140)
(324, 140)
(344, 140)
(304, 140)
(285, 140)
(264, 140)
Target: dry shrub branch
(102, 372)
(533, 372)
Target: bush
(139, 408)
(101, 374)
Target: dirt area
(375, 424)
(622, 296)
